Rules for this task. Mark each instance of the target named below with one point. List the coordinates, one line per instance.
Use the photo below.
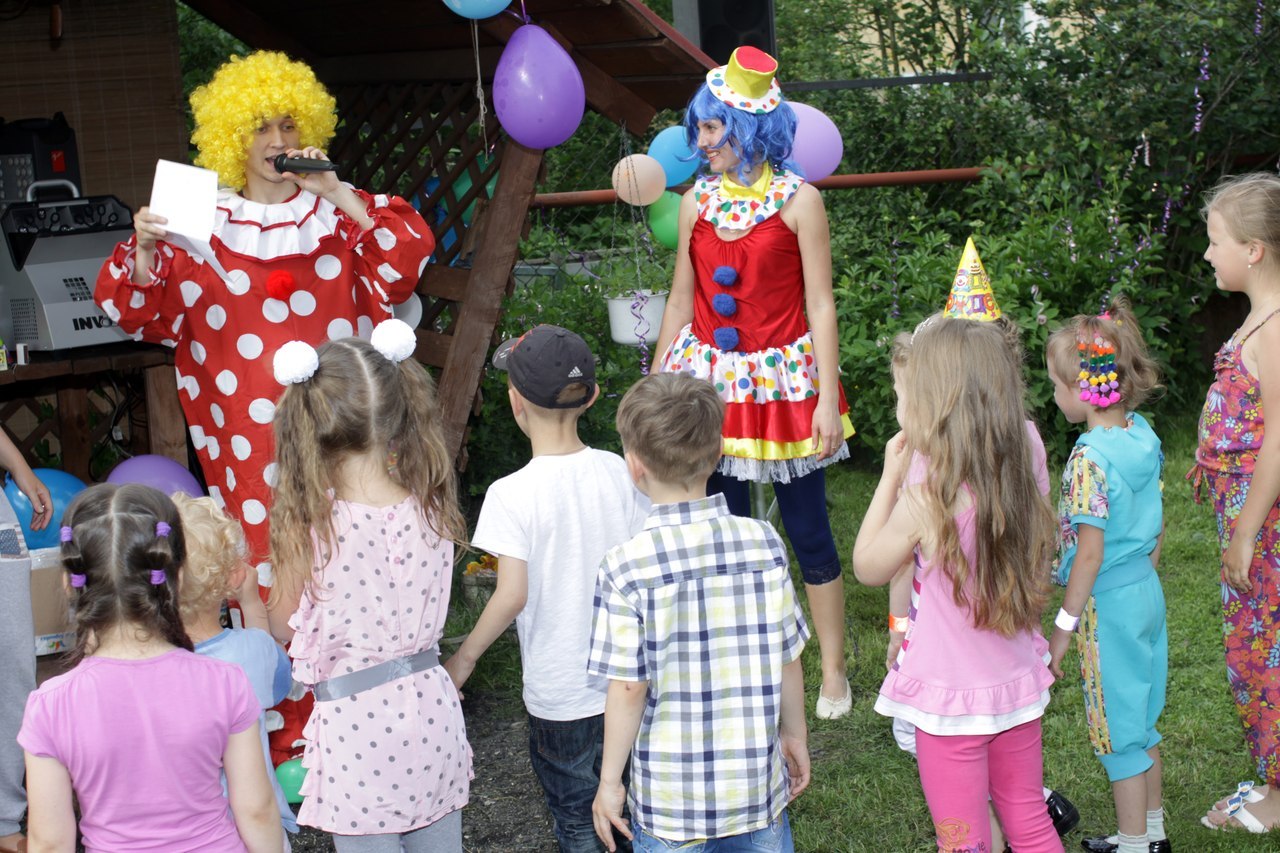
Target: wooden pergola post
(495, 256)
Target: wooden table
(72, 373)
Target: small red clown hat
(748, 83)
(971, 296)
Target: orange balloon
(639, 179)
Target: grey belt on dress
(342, 686)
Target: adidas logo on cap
(576, 373)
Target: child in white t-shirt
(550, 524)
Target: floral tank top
(1231, 422)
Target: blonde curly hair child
(216, 570)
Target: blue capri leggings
(803, 505)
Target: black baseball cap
(544, 361)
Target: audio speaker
(722, 25)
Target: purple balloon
(818, 148)
(158, 472)
(537, 91)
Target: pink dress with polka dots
(395, 757)
(225, 327)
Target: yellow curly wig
(215, 548)
(248, 90)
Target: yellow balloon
(639, 179)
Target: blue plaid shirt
(700, 605)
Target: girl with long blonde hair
(362, 536)
(971, 675)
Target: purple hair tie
(64, 535)
(162, 530)
(158, 577)
(77, 581)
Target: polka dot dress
(299, 270)
(395, 757)
(750, 337)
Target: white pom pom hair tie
(394, 339)
(295, 362)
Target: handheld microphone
(302, 164)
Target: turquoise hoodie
(1113, 481)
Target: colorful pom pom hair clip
(1099, 382)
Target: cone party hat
(971, 295)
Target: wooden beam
(415, 66)
(445, 282)
(241, 21)
(433, 347)
(166, 425)
(494, 258)
(73, 428)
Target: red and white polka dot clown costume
(293, 257)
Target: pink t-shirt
(143, 742)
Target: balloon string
(524, 12)
(475, 51)
(642, 328)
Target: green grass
(865, 794)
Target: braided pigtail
(120, 570)
(159, 562)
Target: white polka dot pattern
(224, 327)
(328, 267)
(275, 311)
(190, 292)
(302, 303)
(254, 512)
(262, 411)
(227, 382)
(249, 346)
(238, 282)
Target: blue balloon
(670, 148)
(477, 9)
(62, 488)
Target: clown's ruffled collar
(727, 204)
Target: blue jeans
(774, 838)
(566, 756)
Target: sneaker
(832, 709)
(1110, 844)
(1062, 812)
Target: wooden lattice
(73, 423)
(423, 141)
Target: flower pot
(478, 587)
(636, 316)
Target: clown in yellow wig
(293, 256)
(244, 92)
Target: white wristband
(1065, 620)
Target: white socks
(1155, 825)
(1131, 843)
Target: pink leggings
(957, 772)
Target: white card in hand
(187, 196)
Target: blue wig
(754, 138)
